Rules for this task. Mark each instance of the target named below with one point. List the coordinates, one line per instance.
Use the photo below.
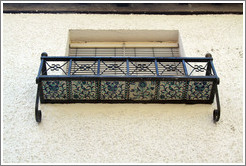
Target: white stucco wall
(160, 133)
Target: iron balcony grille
(125, 52)
(127, 80)
(128, 66)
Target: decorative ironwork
(127, 79)
(170, 68)
(113, 68)
(198, 68)
(56, 67)
(142, 68)
(84, 68)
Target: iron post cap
(44, 54)
(208, 55)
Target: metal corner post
(38, 113)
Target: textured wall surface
(160, 133)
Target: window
(123, 43)
(132, 43)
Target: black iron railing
(127, 80)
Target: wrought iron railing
(127, 80)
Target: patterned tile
(54, 90)
(83, 90)
(116, 90)
(199, 90)
(113, 90)
(142, 90)
(171, 90)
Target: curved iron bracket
(38, 114)
(43, 70)
(216, 113)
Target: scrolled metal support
(216, 113)
(38, 113)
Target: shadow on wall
(110, 113)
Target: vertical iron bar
(127, 67)
(98, 81)
(44, 69)
(212, 65)
(40, 67)
(127, 82)
(208, 70)
(156, 68)
(185, 69)
(186, 82)
(69, 67)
